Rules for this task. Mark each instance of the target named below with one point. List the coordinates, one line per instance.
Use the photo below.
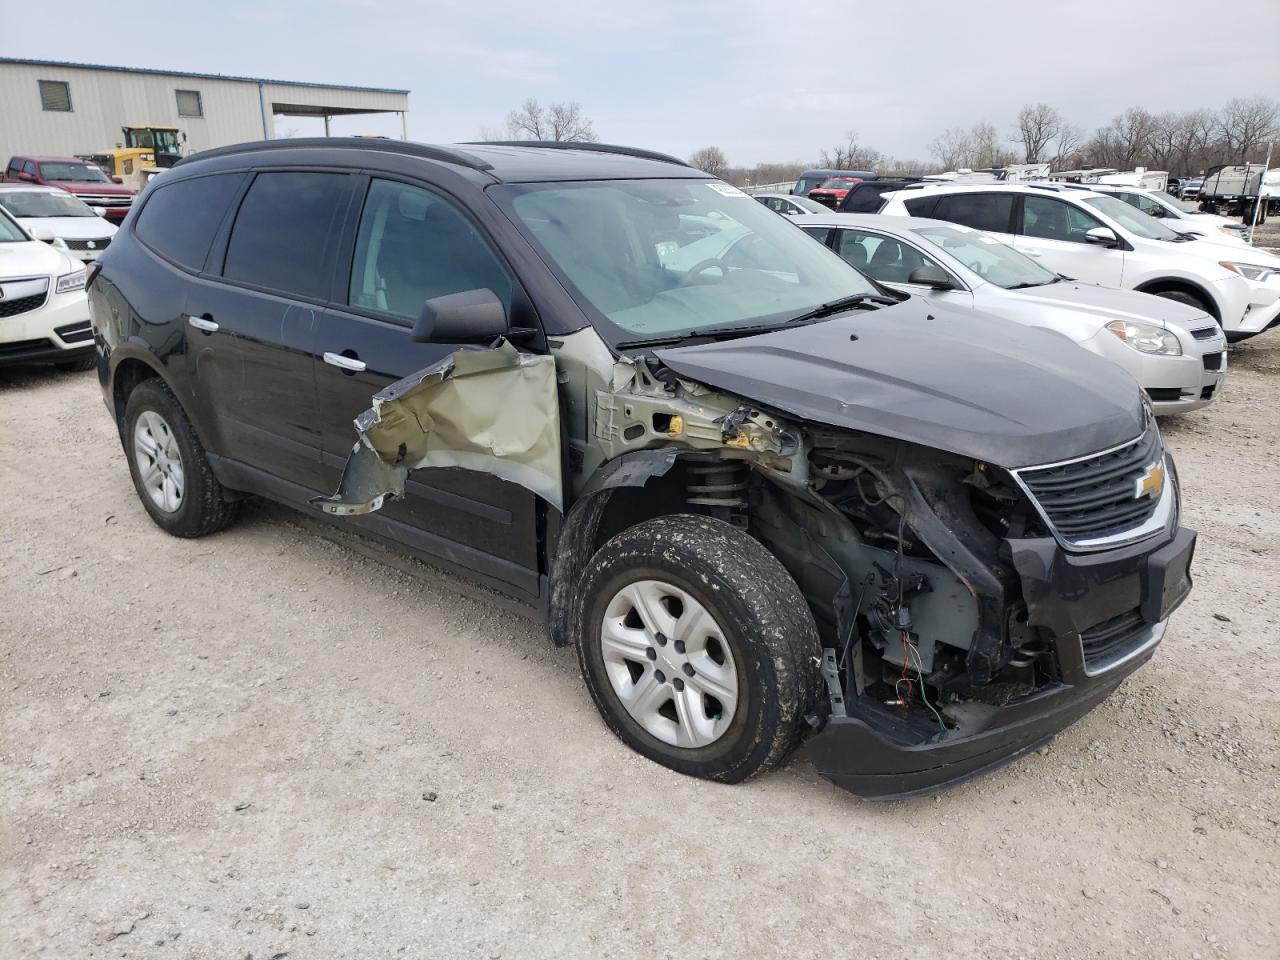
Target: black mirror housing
(467, 317)
(933, 276)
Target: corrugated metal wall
(102, 101)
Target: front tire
(167, 463)
(697, 647)
(1183, 296)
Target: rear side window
(989, 212)
(180, 218)
(1051, 219)
(921, 206)
(282, 230)
(865, 199)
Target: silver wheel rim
(155, 450)
(669, 663)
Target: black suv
(767, 500)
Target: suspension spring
(722, 483)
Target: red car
(85, 180)
(833, 191)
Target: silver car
(1176, 352)
(791, 206)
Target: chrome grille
(1095, 497)
(11, 308)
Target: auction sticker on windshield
(727, 190)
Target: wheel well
(129, 374)
(1157, 287)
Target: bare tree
(710, 160)
(987, 148)
(1126, 142)
(557, 122)
(953, 148)
(1038, 125)
(1246, 124)
(851, 155)
(1066, 149)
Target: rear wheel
(697, 647)
(168, 465)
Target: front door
(412, 244)
(1054, 233)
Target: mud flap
(492, 410)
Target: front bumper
(1070, 598)
(56, 332)
(1173, 384)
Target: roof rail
(425, 150)
(575, 145)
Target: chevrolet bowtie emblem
(1151, 483)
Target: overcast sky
(764, 81)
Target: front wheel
(697, 647)
(1183, 296)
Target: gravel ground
(282, 740)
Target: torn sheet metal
(493, 411)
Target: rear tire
(740, 632)
(167, 463)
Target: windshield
(72, 171)
(813, 206)
(664, 259)
(33, 203)
(839, 183)
(805, 184)
(1131, 218)
(1169, 200)
(986, 256)
(10, 232)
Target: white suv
(44, 316)
(1100, 239)
(1174, 213)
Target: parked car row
(44, 317)
(768, 498)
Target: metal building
(64, 109)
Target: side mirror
(1102, 236)
(23, 175)
(117, 179)
(100, 211)
(469, 316)
(933, 276)
(42, 233)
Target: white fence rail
(758, 188)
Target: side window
(30, 167)
(1143, 203)
(14, 166)
(414, 245)
(856, 247)
(865, 199)
(818, 233)
(180, 219)
(881, 258)
(282, 229)
(921, 206)
(989, 212)
(1051, 219)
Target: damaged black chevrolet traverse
(768, 502)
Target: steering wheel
(693, 274)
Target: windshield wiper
(712, 333)
(1037, 283)
(843, 304)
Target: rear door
(1054, 232)
(253, 321)
(989, 211)
(406, 243)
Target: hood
(1101, 305)
(91, 186)
(960, 381)
(33, 258)
(1209, 226)
(72, 228)
(1218, 248)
